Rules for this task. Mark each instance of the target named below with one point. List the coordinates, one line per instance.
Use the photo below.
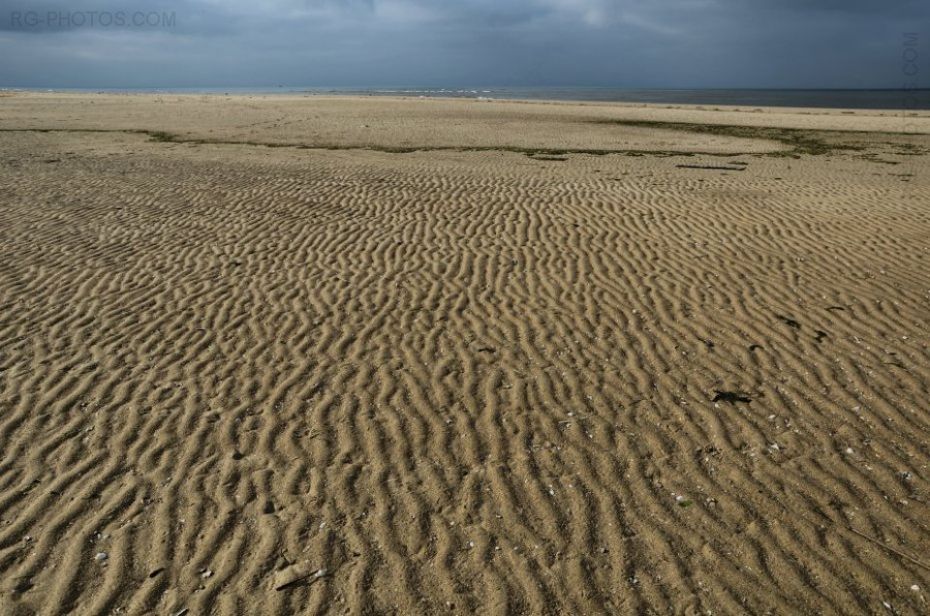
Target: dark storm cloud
(631, 43)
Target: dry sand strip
(461, 357)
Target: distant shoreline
(413, 121)
(864, 99)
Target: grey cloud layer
(660, 43)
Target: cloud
(624, 43)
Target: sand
(316, 355)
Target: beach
(333, 354)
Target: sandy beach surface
(325, 355)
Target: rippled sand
(331, 355)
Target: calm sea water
(844, 99)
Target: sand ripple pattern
(459, 382)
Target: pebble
(101, 556)
(915, 588)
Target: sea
(901, 100)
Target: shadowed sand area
(316, 355)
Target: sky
(465, 43)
